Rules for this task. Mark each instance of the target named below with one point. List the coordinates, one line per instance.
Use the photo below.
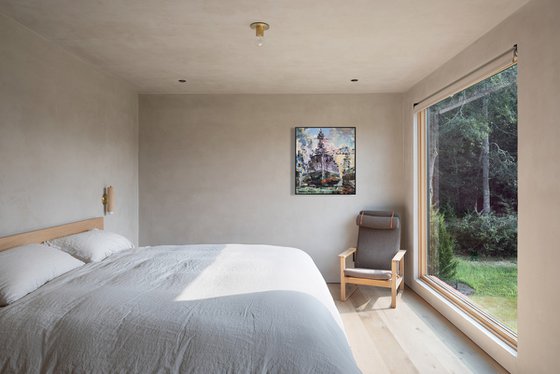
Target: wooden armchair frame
(395, 283)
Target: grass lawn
(495, 287)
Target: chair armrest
(399, 255)
(347, 253)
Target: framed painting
(325, 160)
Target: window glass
(471, 184)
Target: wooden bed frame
(39, 236)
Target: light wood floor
(414, 338)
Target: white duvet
(191, 309)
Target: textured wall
(536, 30)
(66, 130)
(219, 169)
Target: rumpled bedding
(180, 309)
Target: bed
(189, 309)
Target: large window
(468, 200)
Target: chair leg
(343, 294)
(342, 279)
(401, 271)
(394, 295)
(393, 284)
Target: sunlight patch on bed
(221, 278)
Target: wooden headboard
(39, 236)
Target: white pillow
(26, 268)
(92, 246)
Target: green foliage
(442, 260)
(487, 235)
(447, 260)
(486, 111)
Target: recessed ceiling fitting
(182, 81)
(353, 80)
(260, 28)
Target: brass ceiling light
(260, 28)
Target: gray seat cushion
(368, 273)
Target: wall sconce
(108, 199)
(260, 28)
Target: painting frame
(325, 160)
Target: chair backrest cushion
(379, 239)
(378, 220)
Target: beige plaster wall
(219, 169)
(66, 130)
(536, 30)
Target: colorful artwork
(325, 160)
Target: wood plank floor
(414, 338)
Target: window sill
(503, 353)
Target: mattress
(180, 309)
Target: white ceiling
(313, 46)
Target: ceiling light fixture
(353, 80)
(182, 81)
(260, 28)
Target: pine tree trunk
(433, 177)
(433, 190)
(485, 158)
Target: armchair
(378, 259)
